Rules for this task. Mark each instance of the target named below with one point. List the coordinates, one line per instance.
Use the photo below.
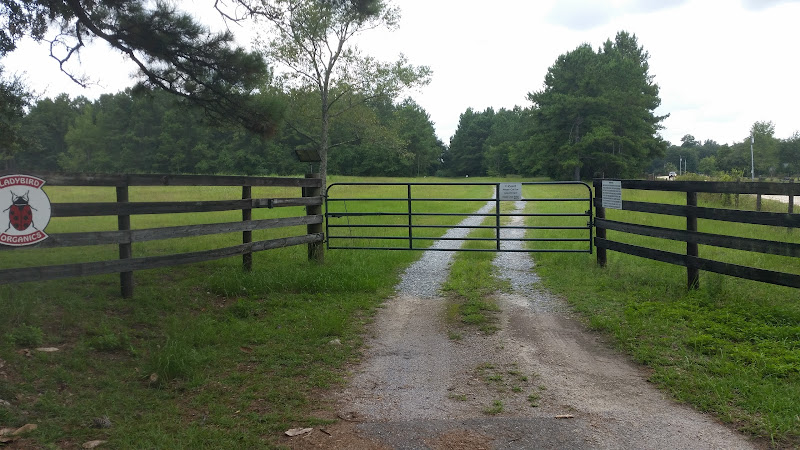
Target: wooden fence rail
(124, 236)
(691, 259)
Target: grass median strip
(471, 284)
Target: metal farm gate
(509, 217)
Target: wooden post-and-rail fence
(125, 237)
(692, 259)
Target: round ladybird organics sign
(25, 210)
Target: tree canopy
(311, 42)
(595, 115)
(151, 131)
(171, 49)
(13, 100)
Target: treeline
(593, 117)
(150, 131)
(771, 156)
(498, 143)
(154, 132)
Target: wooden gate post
(692, 273)
(315, 249)
(125, 248)
(247, 236)
(599, 213)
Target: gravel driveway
(542, 381)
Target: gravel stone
(424, 278)
(416, 388)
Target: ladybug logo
(27, 210)
(20, 213)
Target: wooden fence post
(315, 249)
(692, 273)
(247, 236)
(600, 213)
(125, 249)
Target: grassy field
(206, 356)
(203, 355)
(731, 348)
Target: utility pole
(752, 165)
(680, 164)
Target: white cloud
(760, 5)
(649, 6)
(580, 15)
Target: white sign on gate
(510, 192)
(612, 194)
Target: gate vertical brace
(497, 214)
(791, 206)
(247, 236)
(125, 249)
(600, 213)
(410, 218)
(591, 221)
(692, 273)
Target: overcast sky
(720, 64)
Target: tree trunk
(323, 143)
(577, 173)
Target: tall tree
(765, 148)
(595, 114)
(418, 138)
(507, 137)
(13, 101)
(172, 51)
(789, 152)
(44, 127)
(312, 42)
(689, 141)
(466, 154)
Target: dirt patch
(460, 439)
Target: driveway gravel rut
(542, 381)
